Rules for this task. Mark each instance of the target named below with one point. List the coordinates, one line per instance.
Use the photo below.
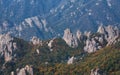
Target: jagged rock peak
(79, 35)
(101, 29)
(109, 30)
(7, 46)
(111, 33)
(36, 41)
(91, 45)
(107, 35)
(70, 39)
(88, 34)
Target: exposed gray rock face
(111, 33)
(38, 51)
(71, 60)
(50, 44)
(88, 34)
(7, 47)
(21, 72)
(27, 70)
(31, 22)
(36, 41)
(79, 35)
(106, 36)
(29, 27)
(70, 39)
(101, 30)
(91, 46)
(96, 72)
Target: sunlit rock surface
(7, 47)
(70, 39)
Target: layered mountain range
(59, 37)
(19, 57)
(48, 19)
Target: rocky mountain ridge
(53, 17)
(7, 47)
(71, 49)
(105, 36)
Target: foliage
(55, 62)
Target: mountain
(14, 13)
(84, 15)
(52, 37)
(82, 53)
(17, 10)
(59, 37)
(48, 19)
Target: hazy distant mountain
(18, 10)
(47, 19)
(85, 15)
(14, 12)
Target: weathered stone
(96, 72)
(71, 60)
(36, 41)
(7, 46)
(70, 39)
(28, 70)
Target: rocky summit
(48, 19)
(105, 36)
(59, 37)
(19, 57)
(70, 39)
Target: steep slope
(85, 15)
(11, 50)
(61, 56)
(57, 16)
(17, 10)
(102, 62)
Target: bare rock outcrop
(79, 35)
(101, 30)
(87, 34)
(105, 36)
(50, 44)
(91, 46)
(27, 70)
(96, 71)
(36, 41)
(70, 39)
(71, 60)
(7, 47)
(111, 33)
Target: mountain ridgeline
(48, 19)
(76, 53)
(59, 37)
